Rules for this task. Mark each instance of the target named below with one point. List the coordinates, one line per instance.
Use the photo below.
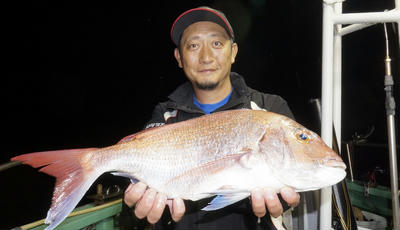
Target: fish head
(299, 158)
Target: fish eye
(302, 137)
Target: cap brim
(196, 15)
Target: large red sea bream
(225, 154)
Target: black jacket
(180, 107)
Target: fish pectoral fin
(205, 170)
(224, 200)
(123, 174)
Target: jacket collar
(182, 97)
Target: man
(205, 51)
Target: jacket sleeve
(278, 105)
(272, 103)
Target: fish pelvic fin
(74, 176)
(223, 200)
(127, 175)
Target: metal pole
(326, 101)
(374, 17)
(397, 5)
(390, 112)
(352, 28)
(330, 46)
(337, 78)
(393, 172)
(350, 162)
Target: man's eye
(217, 44)
(193, 46)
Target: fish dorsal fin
(127, 138)
(137, 135)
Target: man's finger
(158, 207)
(178, 209)
(272, 202)
(291, 197)
(145, 204)
(257, 202)
(133, 193)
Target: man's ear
(235, 49)
(178, 57)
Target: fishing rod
(9, 165)
(390, 106)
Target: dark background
(87, 74)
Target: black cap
(196, 15)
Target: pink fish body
(226, 154)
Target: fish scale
(196, 148)
(227, 154)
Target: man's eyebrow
(217, 34)
(197, 37)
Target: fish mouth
(315, 179)
(335, 163)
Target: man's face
(206, 55)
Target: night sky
(80, 75)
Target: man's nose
(206, 55)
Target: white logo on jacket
(167, 115)
(254, 106)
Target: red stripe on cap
(207, 9)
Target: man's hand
(151, 204)
(263, 199)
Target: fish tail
(74, 176)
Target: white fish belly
(236, 179)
